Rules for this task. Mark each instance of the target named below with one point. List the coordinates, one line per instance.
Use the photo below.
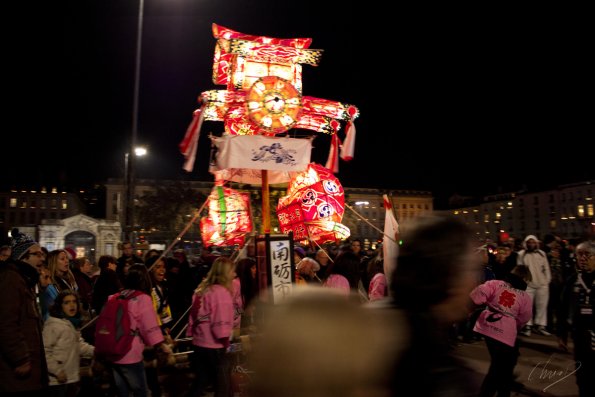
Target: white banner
(281, 270)
(252, 177)
(262, 153)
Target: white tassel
(332, 163)
(348, 148)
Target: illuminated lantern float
(229, 218)
(263, 98)
(314, 207)
(263, 95)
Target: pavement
(542, 368)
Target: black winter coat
(20, 329)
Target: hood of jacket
(529, 237)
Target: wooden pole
(266, 205)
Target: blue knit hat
(20, 244)
(300, 251)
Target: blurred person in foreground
(23, 369)
(576, 317)
(4, 253)
(335, 347)
(436, 269)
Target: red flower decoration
(507, 298)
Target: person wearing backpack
(139, 320)
(210, 325)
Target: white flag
(390, 242)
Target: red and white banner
(189, 144)
(390, 242)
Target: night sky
(458, 92)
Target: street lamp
(130, 185)
(130, 160)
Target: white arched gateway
(87, 236)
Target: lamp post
(130, 160)
(129, 196)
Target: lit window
(552, 223)
(24, 204)
(589, 209)
(580, 209)
(64, 204)
(13, 202)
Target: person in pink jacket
(508, 308)
(378, 288)
(210, 325)
(129, 371)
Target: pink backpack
(113, 336)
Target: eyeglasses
(38, 253)
(586, 254)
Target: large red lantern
(314, 206)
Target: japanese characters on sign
(281, 269)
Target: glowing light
(229, 218)
(313, 207)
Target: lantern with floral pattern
(314, 206)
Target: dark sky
(445, 94)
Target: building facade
(56, 219)
(368, 203)
(566, 211)
(28, 208)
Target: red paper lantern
(229, 218)
(314, 206)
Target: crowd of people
(371, 335)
